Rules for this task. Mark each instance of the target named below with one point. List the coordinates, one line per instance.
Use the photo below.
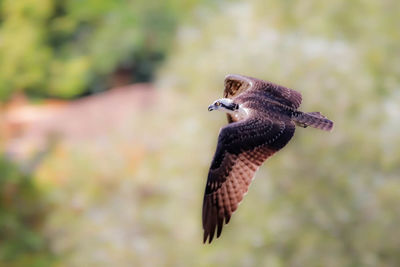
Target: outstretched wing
(242, 148)
(236, 84)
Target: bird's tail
(313, 119)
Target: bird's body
(262, 118)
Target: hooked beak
(210, 107)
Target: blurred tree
(328, 199)
(67, 48)
(22, 213)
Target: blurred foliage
(327, 199)
(68, 48)
(22, 213)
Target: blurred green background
(95, 176)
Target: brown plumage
(262, 118)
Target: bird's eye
(217, 103)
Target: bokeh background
(106, 139)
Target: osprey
(262, 118)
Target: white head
(224, 104)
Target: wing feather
(242, 147)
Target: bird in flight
(262, 117)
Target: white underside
(240, 114)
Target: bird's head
(224, 104)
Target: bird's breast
(241, 114)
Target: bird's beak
(210, 107)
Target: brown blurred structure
(28, 128)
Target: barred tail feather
(313, 119)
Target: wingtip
(219, 226)
(229, 75)
(209, 237)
